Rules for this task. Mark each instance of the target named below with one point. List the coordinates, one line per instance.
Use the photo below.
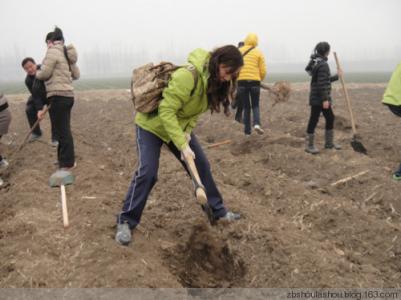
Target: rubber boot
(310, 145)
(329, 140)
(397, 174)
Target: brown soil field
(297, 228)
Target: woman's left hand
(186, 153)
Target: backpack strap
(66, 57)
(194, 72)
(247, 51)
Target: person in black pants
(58, 69)
(252, 73)
(36, 101)
(320, 99)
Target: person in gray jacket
(5, 120)
(58, 69)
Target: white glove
(187, 152)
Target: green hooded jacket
(178, 111)
(392, 94)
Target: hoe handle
(64, 206)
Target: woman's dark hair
(56, 35)
(220, 93)
(322, 49)
(49, 37)
(26, 60)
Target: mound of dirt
(205, 260)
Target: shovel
(60, 179)
(200, 192)
(355, 143)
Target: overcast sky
(129, 32)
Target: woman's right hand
(187, 153)
(326, 104)
(188, 137)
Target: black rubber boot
(310, 144)
(329, 140)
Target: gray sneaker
(258, 129)
(3, 164)
(123, 235)
(231, 216)
(54, 143)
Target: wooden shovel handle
(199, 188)
(33, 128)
(64, 206)
(347, 99)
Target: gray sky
(113, 36)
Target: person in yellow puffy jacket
(252, 73)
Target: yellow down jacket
(254, 62)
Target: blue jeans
(145, 177)
(249, 94)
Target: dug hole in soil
(298, 228)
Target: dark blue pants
(396, 110)
(239, 107)
(145, 177)
(249, 94)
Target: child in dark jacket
(320, 97)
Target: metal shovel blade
(358, 146)
(209, 213)
(61, 177)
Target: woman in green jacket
(177, 115)
(392, 98)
